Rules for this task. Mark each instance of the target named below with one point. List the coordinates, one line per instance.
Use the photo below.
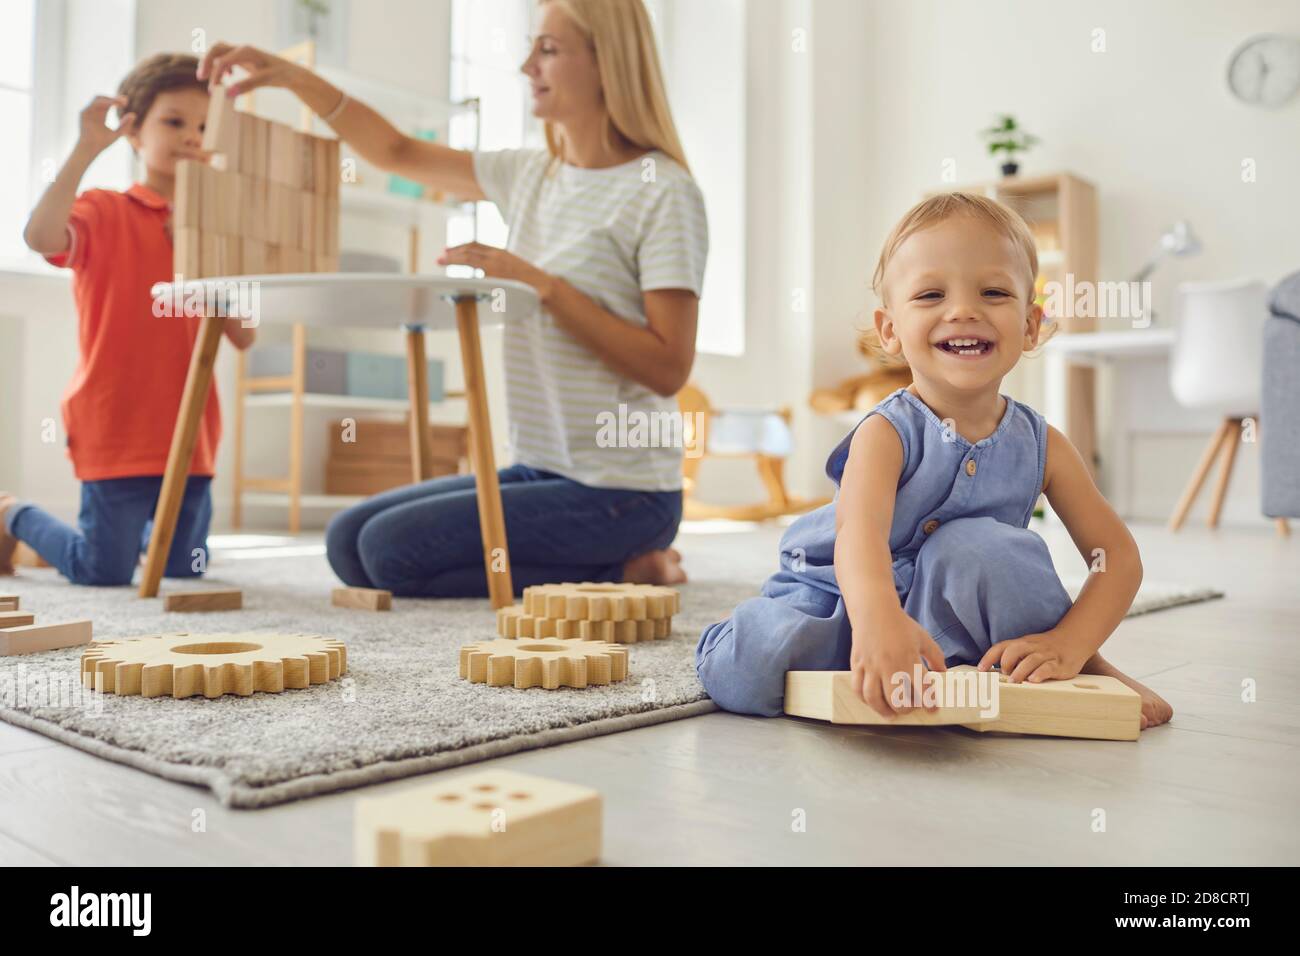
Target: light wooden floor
(1218, 786)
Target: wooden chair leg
(1198, 477)
(1283, 528)
(1229, 455)
(193, 401)
(491, 514)
(769, 469)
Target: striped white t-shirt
(613, 234)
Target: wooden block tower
(268, 203)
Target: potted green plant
(1007, 137)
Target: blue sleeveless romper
(966, 567)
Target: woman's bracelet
(334, 113)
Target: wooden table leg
(417, 389)
(491, 515)
(194, 399)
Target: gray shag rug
(401, 709)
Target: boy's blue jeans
(114, 526)
(424, 540)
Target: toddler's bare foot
(655, 567)
(1155, 709)
(7, 541)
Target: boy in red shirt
(121, 406)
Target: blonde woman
(608, 226)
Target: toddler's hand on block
(1035, 658)
(885, 658)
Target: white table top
(361, 299)
(1126, 343)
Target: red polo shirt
(121, 406)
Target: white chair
(1216, 366)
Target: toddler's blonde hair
(937, 209)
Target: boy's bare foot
(1155, 709)
(7, 541)
(655, 567)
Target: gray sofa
(1279, 411)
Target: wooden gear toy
(182, 665)
(601, 601)
(513, 622)
(549, 663)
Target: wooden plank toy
(490, 818)
(44, 637)
(601, 601)
(9, 602)
(183, 665)
(1097, 708)
(230, 599)
(366, 599)
(549, 663)
(16, 618)
(829, 695)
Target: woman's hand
(498, 264)
(1036, 657)
(96, 135)
(264, 69)
(896, 645)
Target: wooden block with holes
(9, 602)
(229, 599)
(489, 818)
(366, 599)
(16, 618)
(1097, 708)
(44, 637)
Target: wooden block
(1090, 706)
(274, 260)
(188, 207)
(331, 236)
(254, 138)
(233, 255)
(549, 663)
(1100, 708)
(9, 602)
(187, 252)
(307, 225)
(829, 695)
(320, 225)
(333, 170)
(16, 618)
(365, 599)
(212, 254)
(325, 263)
(255, 214)
(307, 162)
(209, 184)
(185, 665)
(320, 165)
(253, 256)
(214, 600)
(221, 130)
(44, 637)
(489, 818)
(283, 156)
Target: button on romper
(965, 566)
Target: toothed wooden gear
(601, 601)
(549, 663)
(184, 664)
(514, 622)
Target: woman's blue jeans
(424, 540)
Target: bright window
(17, 42)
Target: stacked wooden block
(268, 202)
(592, 611)
(20, 634)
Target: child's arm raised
(1112, 557)
(47, 229)
(886, 642)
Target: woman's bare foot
(655, 567)
(1155, 709)
(7, 541)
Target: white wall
(892, 88)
